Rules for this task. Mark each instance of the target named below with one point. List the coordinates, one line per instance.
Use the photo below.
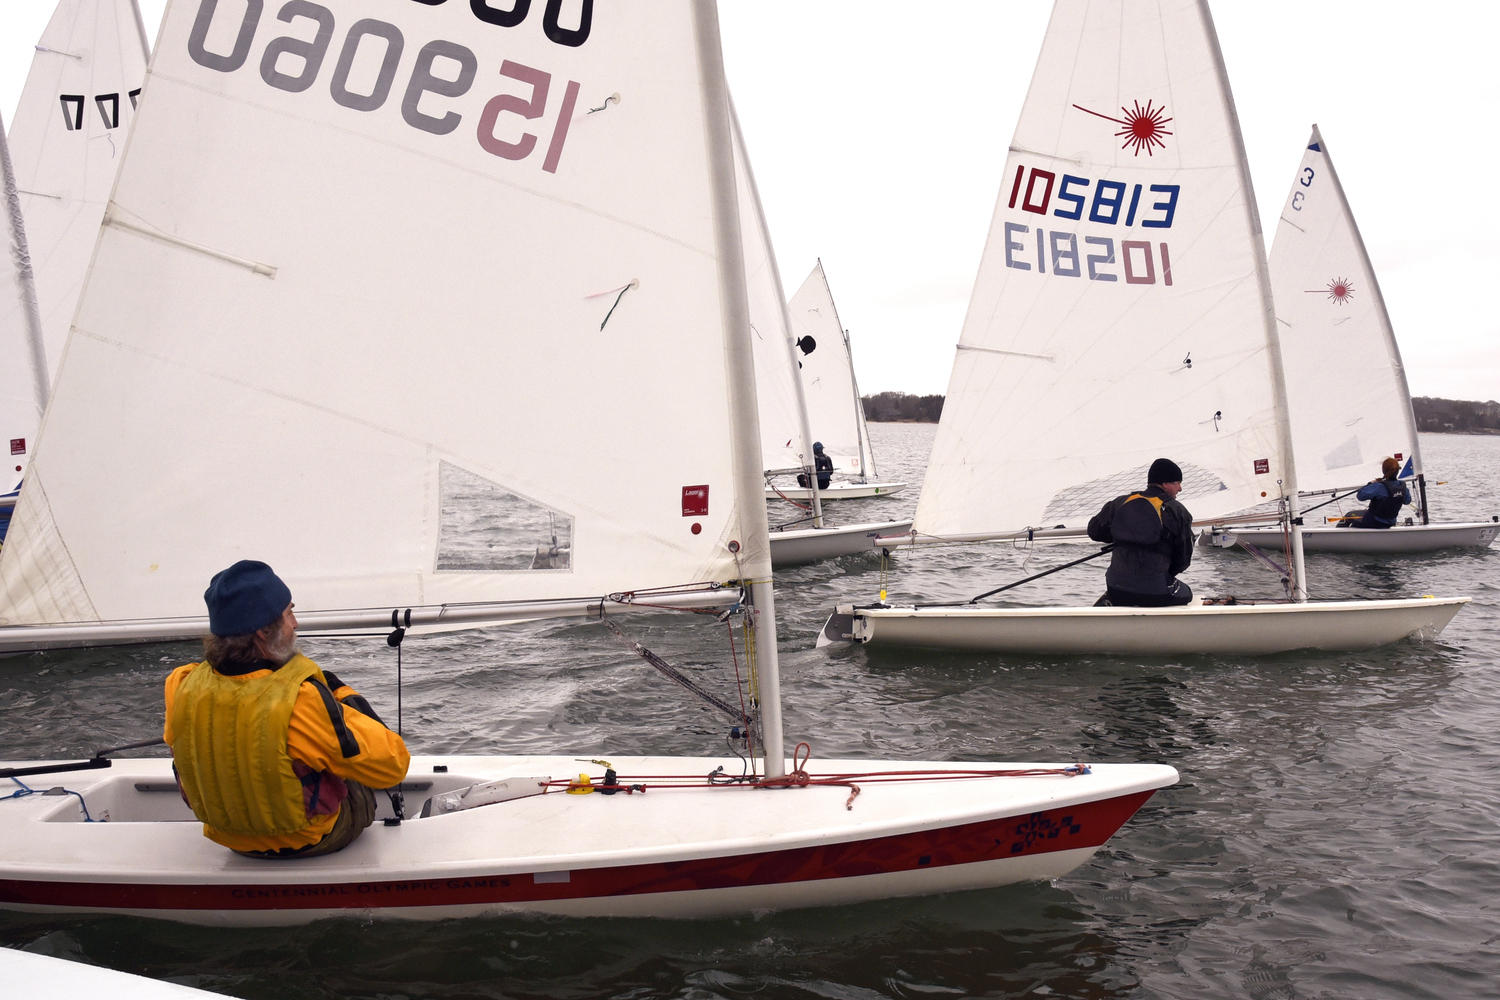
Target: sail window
(1084, 500)
(487, 527)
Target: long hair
(219, 650)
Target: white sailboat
(1122, 312)
(66, 141)
(834, 407)
(334, 305)
(1329, 309)
(786, 443)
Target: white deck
(806, 545)
(689, 852)
(1235, 629)
(836, 491)
(1374, 541)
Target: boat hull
(1384, 541)
(694, 852)
(808, 545)
(837, 491)
(1235, 629)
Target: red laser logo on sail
(1142, 126)
(1339, 290)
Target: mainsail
(24, 386)
(834, 411)
(384, 293)
(66, 142)
(1330, 312)
(778, 383)
(1122, 309)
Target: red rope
(800, 778)
(787, 498)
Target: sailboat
(1122, 312)
(834, 407)
(1328, 305)
(369, 329)
(786, 442)
(66, 140)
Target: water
(1333, 835)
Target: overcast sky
(878, 133)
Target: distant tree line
(902, 408)
(1455, 416)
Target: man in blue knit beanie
(275, 755)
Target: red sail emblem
(1140, 128)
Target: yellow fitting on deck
(582, 786)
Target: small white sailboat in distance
(1329, 311)
(66, 142)
(1122, 312)
(786, 442)
(835, 411)
(301, 274)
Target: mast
(140, 30)
(1390, 334)
(20, 257)
(786, 321)
(743, 408)
(1288, 482)
(866, 453)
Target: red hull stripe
(1082, 826)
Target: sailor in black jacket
(1153, 538)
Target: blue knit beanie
(244, 598)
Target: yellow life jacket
(229, 746)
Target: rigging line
(740, 688)
(1330, 500)
(671, 672)
(1035, 576)
(1257, 553)
(787, 498)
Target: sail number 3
(441, 68)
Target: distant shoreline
(1433, 415)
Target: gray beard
(280, 650)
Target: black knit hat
(1163, 470)
(245, 598)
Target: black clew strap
(348, 745)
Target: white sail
(67, 139)
(834, 411)
(777, 382)
(24, 385)
(1331, 316)
(1121, 311)
(384, 294)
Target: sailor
(822, 464)
(1385, 495)
(276, 756)
(1152, 536)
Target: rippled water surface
(1334, 834)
